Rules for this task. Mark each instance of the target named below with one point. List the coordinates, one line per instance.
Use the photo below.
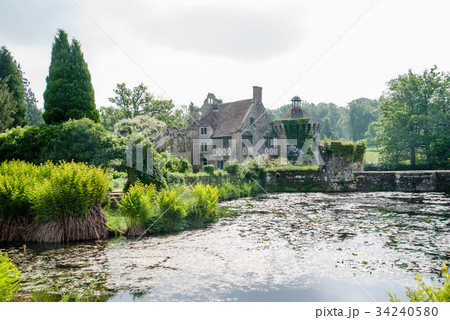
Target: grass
(372, 155)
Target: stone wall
(408, 181)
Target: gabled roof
(296, 113)
(225, 118)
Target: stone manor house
(219, 131)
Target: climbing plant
(297, 129)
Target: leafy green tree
(69, 93)
(109, 116)
(7, 106)
(362, 113)
(34, 114)
(415, 118)
(10, 70)
(143, 124)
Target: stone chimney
(257, 94)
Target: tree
(415, 118)
(130, 103)
(109, 116)
(11, 70)
(34, 114)
(7, 106)
(69, 93)
(362, 113)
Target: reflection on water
(281, 247)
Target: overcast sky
(321, 50)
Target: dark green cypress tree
(69, 93)
(82, 97)
(10, 71)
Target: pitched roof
(225, 118)
(296, 113)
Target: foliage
(7, 106)
(34, 114)
(9, 278)
(138, 203)
(353, 151)
(290, 168)
(297, 129)
(77, 140)
(175, 164)
(429, 293)
(237, 189)
(203, 207)
(130, 103)
(209, 169)
(143, 124)
(173, 209)
(362, 112)
(109, 116)
(11, 73)
(50, 191)
(253, 169)
(232, 167)
(69, 93)
(414, 121)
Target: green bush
(353, 151)
(50, 191)
(9, 278)
(138, 204)
(209, 169)
(175, 164)
(203, 207)
(360, 150)
(426, 293)
(172, 208)
(232, 167)
(77, 140)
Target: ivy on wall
(353, 151)
(297, 129)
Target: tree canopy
(414, 124)
(69, 93)
(11, 73)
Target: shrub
(140, 124)
(175, 164)
(228, 191)
(202, 209)
(209, 169)
(69, 191)
(50, 191)
(253, 169)
(77, 140)
(353, 151)
(137, 204)
(172, 208)
(232, 167)
(9, 278)
(426, 293)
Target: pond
(279, 247)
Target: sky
(320, 50)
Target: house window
(268, 142)
(249, 139)
(252, 121)
(220, 164)
(204, 146)
(226, 143)
(203, 130)
(204, 161)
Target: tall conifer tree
(69, 93)
(10, 71)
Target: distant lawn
(371, 155)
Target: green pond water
(279, 247)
